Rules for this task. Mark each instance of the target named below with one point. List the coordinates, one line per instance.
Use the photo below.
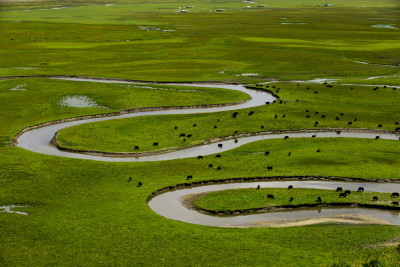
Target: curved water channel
(169, 205)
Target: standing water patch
(78, 101)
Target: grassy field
(240, 199)
(85, 212)
(362, 106)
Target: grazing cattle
(215, 127)
(341, 114)
(139, 184)
(329, 86)
(315, 92)
(380, 125)
(349, 123)
(290, 153)
(374, 198)
(276, 116)
(219, 168)
(189, 177)
(351, 88)
(316, 123)
(286, 137)
(313, 135)
(308, 88)
(397, 123)
(194, 125)
(219, 145)
(218, 155)
(236, 132)
(236, 140)
(355, 119)
(307, 110)
(251, 113)
(290, 187)
(342, 195)
(267, 103)
(136, 148)
(270, 196)
(377, 137)
(155, 144)
(269, 168)
(319, 200)
(210, 166)
(234, 115)
(338, 132)
(184, 140)
(176, 127)
(266, 153)
(130, 179)
(291, 199)
(347, 192)
(319, 150)
(283, 116)
(218, 120)
(308, 116)
(200, 157)
(258, 187)
(317, 112)
(395, 194)
(397, 129)
(189, 135)
(182, 135)
(262, 126)
(339, 189)
(337, 118)
(323, 116)
(360, 189)
(395, 203)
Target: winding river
(169, 204)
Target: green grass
(85, 213)
(240, 199)
(369, 107)
(46, 93)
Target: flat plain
(84, 212)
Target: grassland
(362, 106)
(86, 213)
(242, 199)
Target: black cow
(338, 132)
(194, 125)
(200, 157)
(290, 153)
(290, 187)
(313, 135)
(266, 153)
(189, 177)
(395, 194)
(319, 200)
(374, 198)
(189, 135)
(155, 144)
(139, 184)
(349, 123)
(182, 135)
(339, 189)
(276, 116)
(215, 126)
(269, 168)
(236, 140)
(291, 199)
(219, 145)
(219, 168)
(136, 148)
(377, 137)
(258, 187)
(395, 203)
(130, 179)
(251, 113)
(286, 137)
(360, 189)
(176, 127)
(380, 125)
(342, 195)
(347, 192)
(218, 155)
(270, 196)
(319, 150)
(337, 118)
(210, 166)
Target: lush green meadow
(86, 213)
(240, 199)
